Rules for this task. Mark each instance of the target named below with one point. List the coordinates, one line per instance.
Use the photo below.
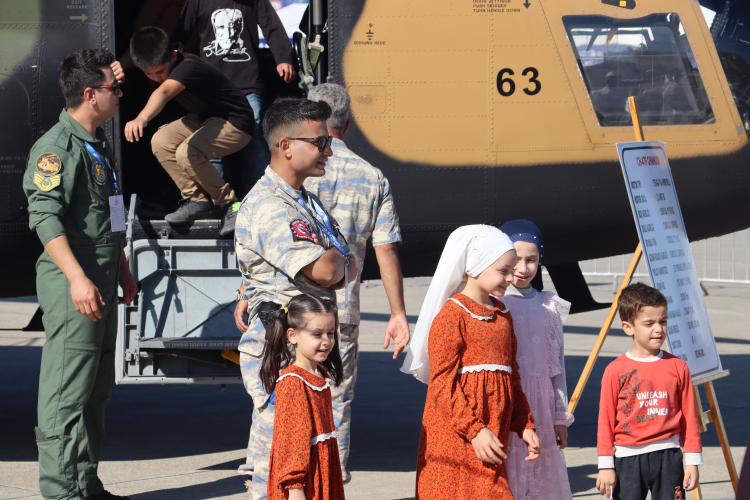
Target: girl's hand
(561, 433)
(532, 440)
(488, 447)
(297, 494)
(605, 482)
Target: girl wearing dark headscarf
(538, 317)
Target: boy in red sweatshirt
(646, 410)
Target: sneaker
(229, 217)
(106, 495)
(190, 210)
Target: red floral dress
(474, 383)
(304, 453)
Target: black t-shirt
(211, 94)
(229, 37)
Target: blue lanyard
(100, 160)
(325, 227)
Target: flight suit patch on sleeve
(46, 183)
(99, 173)
(48, 164)
(300, 230)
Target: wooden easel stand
(704, 417)
(603, 332)
(714, 415)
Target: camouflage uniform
(359, 197)
(272, 247)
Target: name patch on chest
(300, 230)
(98, 173)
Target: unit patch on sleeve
(300, 230)
(98, 173)
(48, 164)
(46, 183)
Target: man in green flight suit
(75, 206)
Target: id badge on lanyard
(117, 213)
(116, 202)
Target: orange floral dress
(474, 383)
(304, 452)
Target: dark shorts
(659, 471)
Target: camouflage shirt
(273, 241)
(359, 197)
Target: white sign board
(666, 249)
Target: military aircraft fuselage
(477, 111)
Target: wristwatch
(239, 296)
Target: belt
(266, 312)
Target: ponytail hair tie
(285, 309)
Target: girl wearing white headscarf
(465, 348)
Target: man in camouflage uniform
(359, 197)
(72, 185)
(284, 248)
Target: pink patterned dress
(537, 320)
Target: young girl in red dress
(304, 453)
(465, 348)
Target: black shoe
(106, 495)
(229, 217)
(190, 210)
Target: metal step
(205, 343)
(160, 229)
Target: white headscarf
(469, 251)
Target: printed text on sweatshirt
(645, 405)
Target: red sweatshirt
(645, 405)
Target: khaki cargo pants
(185, 149)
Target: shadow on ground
(150, 422)
(215, 489)
(732, 392)
(383, 317)
(580, 477)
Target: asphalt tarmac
(185, 442)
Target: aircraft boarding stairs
(180, 328)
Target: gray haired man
(359, 197)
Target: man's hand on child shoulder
(532, 440)
(488, 447)
(606, 481)
(691, 478)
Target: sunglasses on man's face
(322, 141)
(115, 87)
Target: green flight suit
(68, 192)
